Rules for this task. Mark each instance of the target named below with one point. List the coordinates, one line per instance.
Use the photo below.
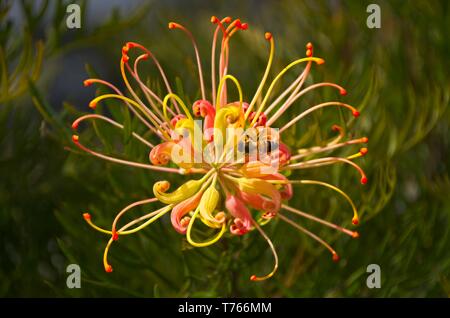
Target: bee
(257, 144)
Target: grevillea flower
(232, 149)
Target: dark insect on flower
(236, 148)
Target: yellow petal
(208, 204)
(185, 191)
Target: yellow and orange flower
(235, 147)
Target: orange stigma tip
(363, 151)
(308, 53)
(125, 58)
(355, 235)
(145, 56)
(320, 61)
(108, 269)
(75, 125)
(343, 92)
(115, 236)
(356, 113)
(214, 19)
(125, 49)
(93, 104)
(253, 277)
(363, 180)
(87, 83)
(86, 216)
(244, 26)
(75, 138)
(172, 25)
(130, 45)
(309, 46)
(268, 36)
(227, 20)
(365, 139)
(355, 221)
(336, 258)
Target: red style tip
(363, 180)
(75, 138)
(130, 45)
(145, 56)
(268, 36)
(214, 19)
(86, 216)
(308, 53)
(125, 50)
(365, 139)
(87, 83)
(355, 221)
(355, 235)
(115, 236)
(356, 113)
(125, 58)
(363, 151)
(335, 128)
(75, 125)
(309, 46)
(343, 92)
(108, 269)
(172, 25)
(93, 104)
(336, 258)
(244, 26)
(320, 61)
(253, 278)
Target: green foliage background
(397, 75)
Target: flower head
(233, 149)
